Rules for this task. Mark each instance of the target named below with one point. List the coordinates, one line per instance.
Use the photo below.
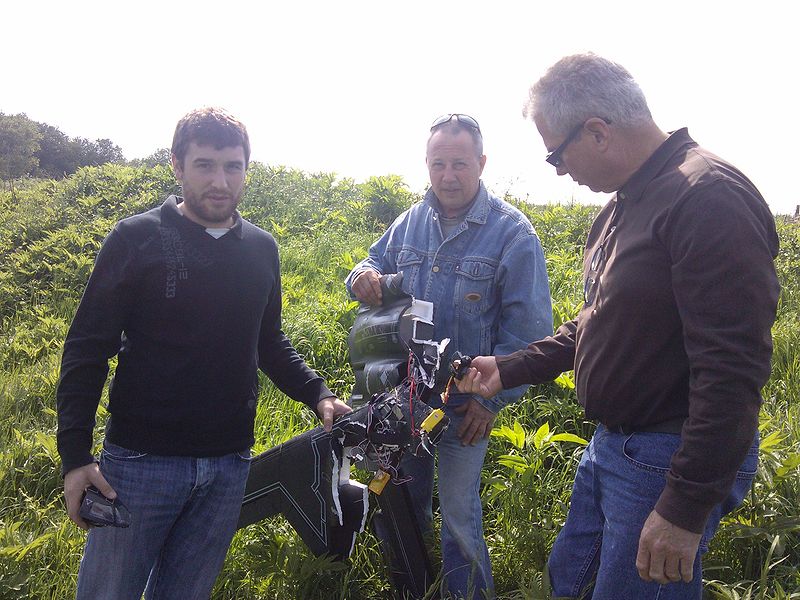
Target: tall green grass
(324, 225)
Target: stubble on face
(212, 181)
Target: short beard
(201, 210)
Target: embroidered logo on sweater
(174, 259)
(179, 253)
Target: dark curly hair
(209, 126)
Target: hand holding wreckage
(328, 409)
(367, 287)
(482, 378)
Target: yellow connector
(379, 482)
(432, 420)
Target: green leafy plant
(50, 232)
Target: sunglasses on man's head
(465, 119)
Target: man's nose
(219, 180)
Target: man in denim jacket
(480, 263)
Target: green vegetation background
(50, 232)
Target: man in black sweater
(188, 297)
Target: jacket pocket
(408, 263)
(474, 286)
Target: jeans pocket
(750, 464)
(651, 451)
(114, 452)
(744, 479)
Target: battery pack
(379, 482)
(432, 420)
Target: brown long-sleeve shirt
(680, 303)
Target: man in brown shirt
(670, 348)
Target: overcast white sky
(351, 87)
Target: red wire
(411, 394)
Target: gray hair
(455, 127)
(582, 86)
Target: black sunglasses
(554, 157)
(599, 257)
(590, 283)
(465, 119)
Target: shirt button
(435, 269)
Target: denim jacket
(487, 280)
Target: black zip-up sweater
(191, 318)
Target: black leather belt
(669, 426)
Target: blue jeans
(466, 569)
(618, 482)
(184, 512)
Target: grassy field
(49, 234)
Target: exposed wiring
(446, 394)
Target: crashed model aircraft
(307, 479)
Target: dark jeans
(184, 512)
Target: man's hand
(75, 484)
(329, 408)
(476, 424)
(366, 287)
(482, 378)
(666, 551)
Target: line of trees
(30, 148)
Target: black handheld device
(99, 511)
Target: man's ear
(176, 167)
(599, 131)
(482, 162)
